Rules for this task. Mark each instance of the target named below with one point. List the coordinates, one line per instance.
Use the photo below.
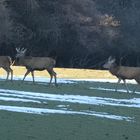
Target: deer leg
(135, 89)
(126, 86)
(7, 75)
(11, 74)
(54, 74)
(51, 75)
(119, 80)
(32, 72)
(7, 70)
(138, 81)
(27, 72)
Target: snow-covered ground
(43, 98)
(63, 80)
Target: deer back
(37, 62)
(128, 72)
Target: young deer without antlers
(36, 63)
(122, 72)
(5, 63)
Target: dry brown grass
(66, 73)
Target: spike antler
(18, 49)
(22, 49)
(110, 58)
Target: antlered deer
(5, 63)
(122, 72)
(36, 63)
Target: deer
(36, 64)
(122, 72)
(5, 63)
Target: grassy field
(72, 111)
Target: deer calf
(5, 63)
(36, 63)
(122, 72)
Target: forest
(77, 33)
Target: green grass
(21, 126)
(59, 127)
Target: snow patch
(43, 111)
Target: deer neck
(114, 69)
(21, 60)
